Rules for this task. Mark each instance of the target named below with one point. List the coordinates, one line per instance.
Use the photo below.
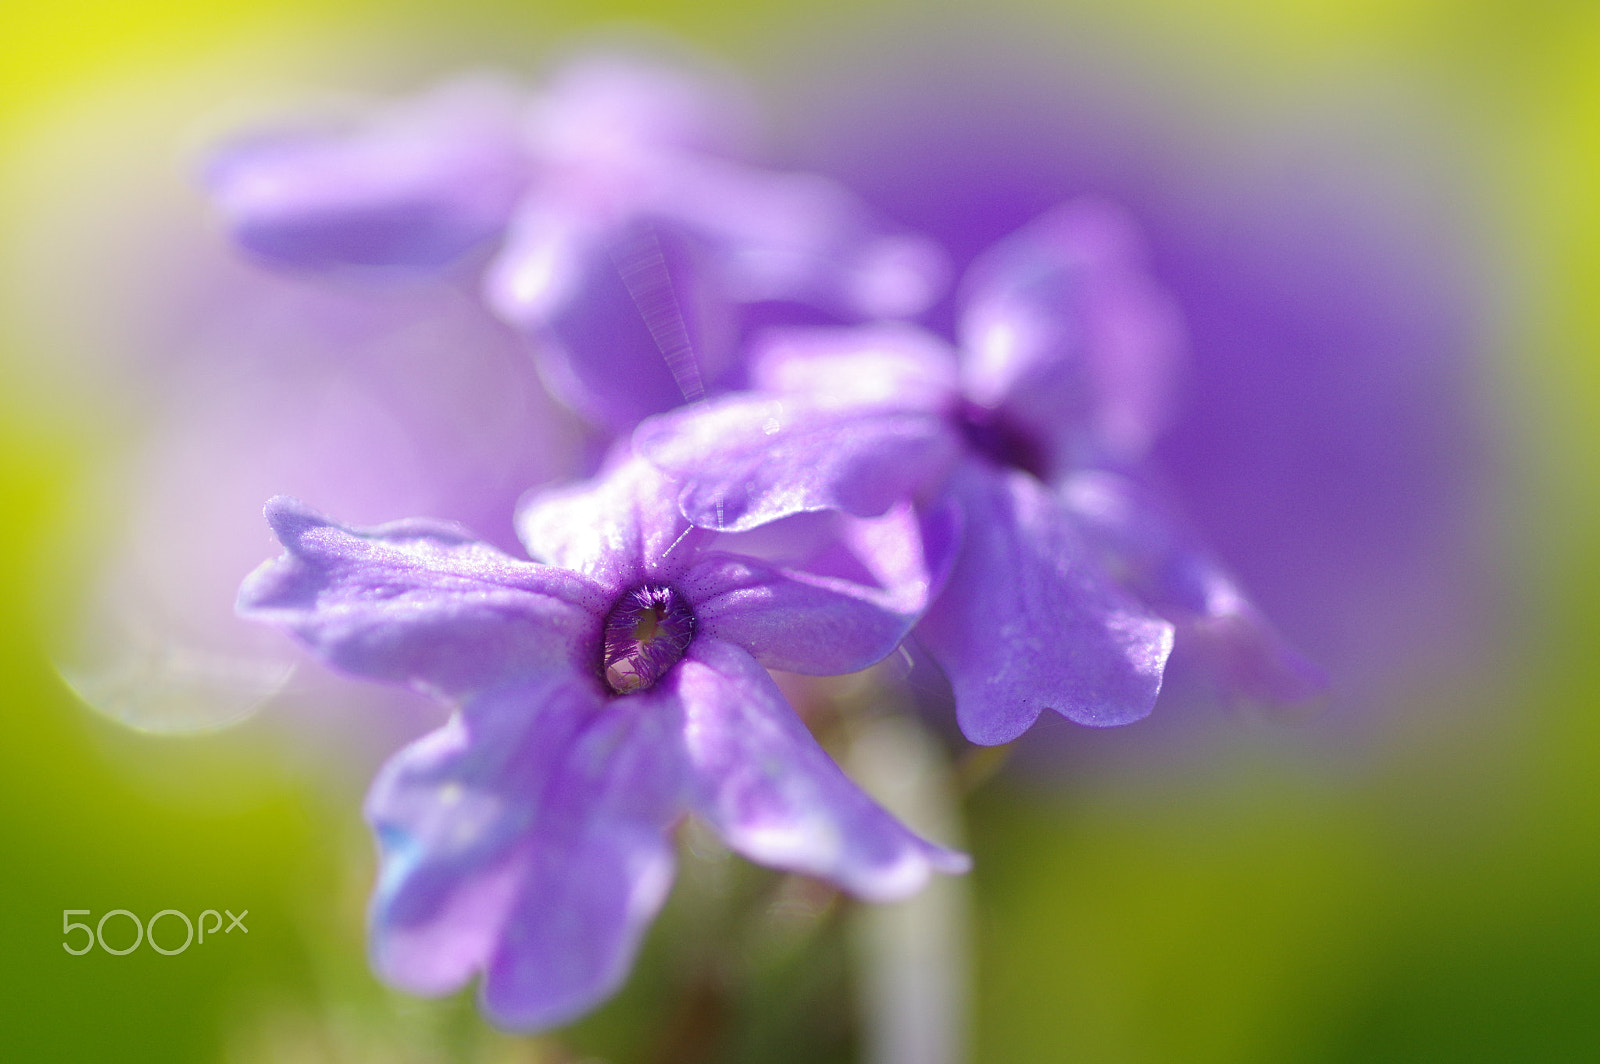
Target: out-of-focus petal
(452, 813)
(421, 602)
(627, 321)
(606, 110)
(541, 266)
(774, 795)
(891, 365)
(1030, 621)
(623, 138)
(599, 866)
(801, 238)
(1153, 552)
(1069, 338)
(417, 187)
(620, 529)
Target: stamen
(646, 633)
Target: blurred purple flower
(624, 236)
(416, 188)
(1066, 354)
(598, 702)
(1328, 435)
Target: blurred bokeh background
(1383, 220)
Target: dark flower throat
(1003, 443)
(646, 633)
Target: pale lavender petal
(421, 602)
(809, 622)
(626, 322)
(620, 139)
(1163, 561)
(1068, 339)
(894, 275)
(895, 366)
(1030, 621)
(452, 813)
(600, 864)
(846, 419)
(939, 531)
(748, 459)
(774, 795)
(417, 187)
(618, 529)
(604, 110)
(547, 252)
(802, 238)
(908, 550)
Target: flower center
(992, 436)
(646, 633)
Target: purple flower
(1329, 437)
(1065, 588)
(416, 188)
(626, 236)
(600, 698)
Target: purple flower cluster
(1070, 575)
(798, 479)
(622, 238)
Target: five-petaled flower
(600, 698)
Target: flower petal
(774, 795)
(1069, 338)
(417, 187)
(749, 459)
(851, 420)
(801, 238)
(797, 621)
(1163, 561)
(626, 320)
(600, 864)
(619, 529)
(896, 366)
(540, 268)
(452, 813)
(844, 605)
(1029, 620)
(603, 109)
(421, 602)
